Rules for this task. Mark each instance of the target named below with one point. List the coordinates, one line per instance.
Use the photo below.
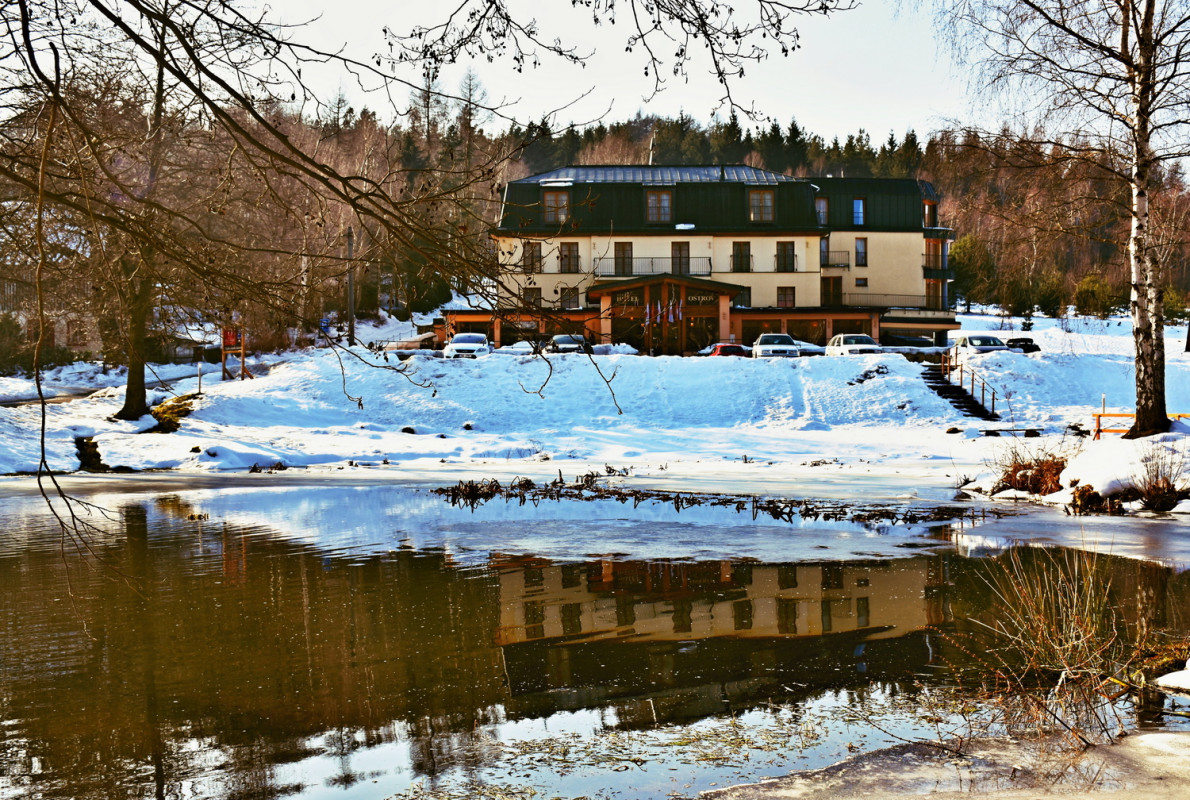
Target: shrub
(1093, 297)
(1032, 469)
(1161, 467)
(12, 344)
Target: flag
(681, 307)
(671, 312)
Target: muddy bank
(1148, 766)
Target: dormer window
(859, 211)
(760, 205)
(821, 209)
(929, 214)
(659, 205)
(557, 206)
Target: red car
(725, 349)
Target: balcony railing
(785, 263)
(838, 259)
(741, 263)
(632, 267)
(569, 265)
(891, 301)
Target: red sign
(231, 338)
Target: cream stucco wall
(894, 264)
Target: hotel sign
(701, 297)
(629, 297)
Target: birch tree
(1112, 77)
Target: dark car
(1024, 344)
(725, 349)
(891, 340)
(568, 343)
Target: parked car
(775, 345)
(977, 343)
(852, 344)
(727, 349)
(893, 340)
(568, 343)
(1024, 344)
(466, 345)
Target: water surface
(358, 642)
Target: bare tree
(1113, 78)
(671, 35)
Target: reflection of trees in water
(240, 653)
(247, 645)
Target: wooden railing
(968, 379)
(1100, 429)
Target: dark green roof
(707, 199)
(659, 175)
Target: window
(861, 252)
(741, 256)
(859, 206)
(786, 257)
(679, 255)
(832, 291)
(659, 205)
(824, 251)
(531, 296)
(760, 205)
(786, 615)
(557, 206)
(572, 619)
(741, 615)
(821, 209)
(929, 215)
(786, 297)
(569, 297)
(623, 251)
(861, 283)
(568, 257)
(531, 257)
(743, 299)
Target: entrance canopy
(665, 313)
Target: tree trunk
(140, 297)
(1148, 317)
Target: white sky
(876, 67)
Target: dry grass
(1059, 649)
(1032, 468)
(1161, 469)
(169, 414)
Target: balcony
(933, 267)
(858, 300)
(836, 259)
(612, 267)
(785, 263)
(741, 263)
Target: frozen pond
(308, 640)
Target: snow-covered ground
(851, 427)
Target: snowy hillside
(710, 419)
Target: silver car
(466, 345)
(852, 344)
(775, 345)
(978, 343)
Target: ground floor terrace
(675, 315)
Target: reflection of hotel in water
(663, 601)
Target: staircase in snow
(957, 396)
